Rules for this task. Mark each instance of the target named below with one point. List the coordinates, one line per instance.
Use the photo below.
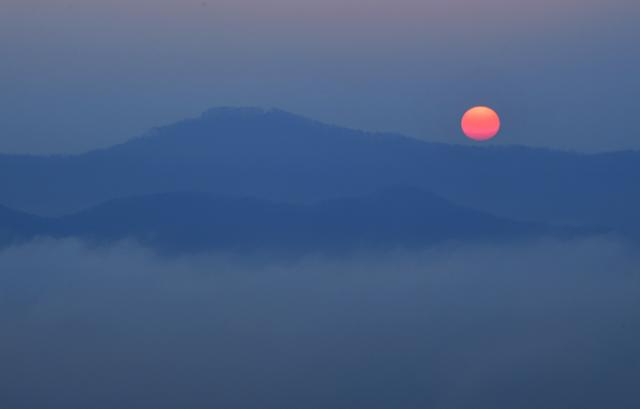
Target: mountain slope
(186, 222)
(282, 157)
(17, 226)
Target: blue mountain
(277, 156)
(16, 226)
(191, 222)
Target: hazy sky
(80, 74)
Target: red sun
(480, 123)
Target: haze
(77, 75)
(540, 325)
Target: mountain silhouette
(16, 226)
(277, 156)
(187, 222)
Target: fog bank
(541, 325)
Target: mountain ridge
(175, 222)
(283, 157)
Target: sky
(76, 75)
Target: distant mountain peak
(275, 155)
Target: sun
(481, 123)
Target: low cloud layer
(538, 325)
